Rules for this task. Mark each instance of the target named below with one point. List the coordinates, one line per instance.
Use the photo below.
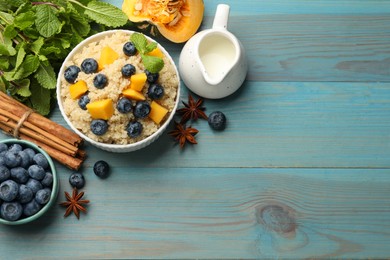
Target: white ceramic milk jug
(213, 63)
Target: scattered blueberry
(30, 153)
(43, 196)
(71, 73)
(36, 172)
(11, 211)
(8, 190)
(25, 194)
(124, 105)
(77, 180)
(100, 81)
(12, 159)
(15, 148)
(83, 101)
(41, 160)
(25, 159)
(151, 77)
(2, 159)
(134, 129)
(99, 126)
(4, 173)
(129, 49)
(141, 109)
(128, 70)
(31, 208)
(155, 91)
(89, 66)
(3, 147)
(47, 180)
(34, 185)
(19, 174)
(217, 120)
(101, 169)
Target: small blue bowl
(54, 189)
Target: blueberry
(19, 174)
(100, 81)
(36, 172)
(41, 160)
(4, 173)
(2, 159)
(101, 169)
(3, 147)
(129, 49)
(47, 180)
(99, 126)
(31, 208)
(43, 196)
(11, 211)
(134, 129)
(155, 91)
(25, 159)
(9, 190)
(217, 120)
(89, 66)
(141, 109)
(34, 185)
(128, 70)
(25, 194)
(15, 148)
(151, 77)
(71, 73)
(12, 159)
(83, 101)
(124, 105)
(30, 153)
(77, 180)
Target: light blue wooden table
(302, 170)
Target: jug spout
(221, 17)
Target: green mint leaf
(46, 76)
(106, 14)
(4, 63)
(20, 56)
(140, 42)
(25, 20)
(46, 21)
(6, 18)
(28, 66)
(150, 46)
(3, 85)
(40, 98)
(152, 63)
(37, 45)
(10, 32)
(23, 87)
(7, 49)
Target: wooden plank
(216, 213)
(281, 125)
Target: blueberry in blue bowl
(28, 182)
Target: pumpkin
(176, 20)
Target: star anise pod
(75, 203)
(183, 134)
(191, 110)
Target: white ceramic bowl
(119, 148)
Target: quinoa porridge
(114, 89)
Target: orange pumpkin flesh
(176, 20)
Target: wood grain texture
(218, 213)
(301, 171)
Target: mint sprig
(151, 63)
(35, 38)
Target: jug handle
(221, 17)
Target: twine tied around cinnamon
(20, 122)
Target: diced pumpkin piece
(77, 89)
(137, 81)
(156, 53)
(133, 94)
(157, 112)
(107, 57)
(101, 109)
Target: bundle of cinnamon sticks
(21, 122)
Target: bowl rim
(116, 147)
(54, 190)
